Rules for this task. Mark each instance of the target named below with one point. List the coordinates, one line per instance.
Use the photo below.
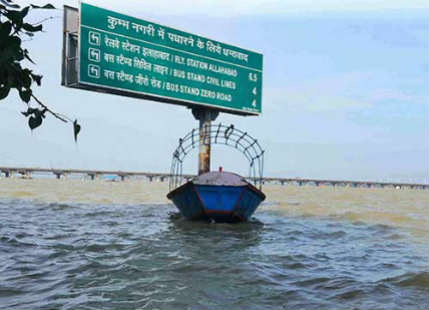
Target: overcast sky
(345, 93)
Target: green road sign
(136, 57)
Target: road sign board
(136, 57)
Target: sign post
(205, 116)
(109, 52)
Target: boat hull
(220, 203)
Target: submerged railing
(223, 135)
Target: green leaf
(37, 79)
(34, 122)
(4, 91)
(76, 130)
(24, 11)
(29, 112)
(31, 28)
(30, 34)
(15, 17)
(5, 29)
(46, 6)
(10, 46)
(38, 113)
(26, 78)
(27, 56)
(25, 95)
(10, 4)
(14, 42)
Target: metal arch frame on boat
(223, 135)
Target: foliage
(13, 28)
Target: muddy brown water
(81, 244)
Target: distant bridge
(151, 176)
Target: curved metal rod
(248, 145)
(247, 140)
(222, 135)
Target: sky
(345, 93)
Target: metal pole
(205, 116)
(204, 149)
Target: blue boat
(223, 197)
(217, 196)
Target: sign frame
(80, 84)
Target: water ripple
(147, 257)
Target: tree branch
(45, 19)
(63, 118)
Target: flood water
(96, 245)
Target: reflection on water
(302, 250)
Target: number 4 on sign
(254, 91)
(254, 103)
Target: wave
(420, 280)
